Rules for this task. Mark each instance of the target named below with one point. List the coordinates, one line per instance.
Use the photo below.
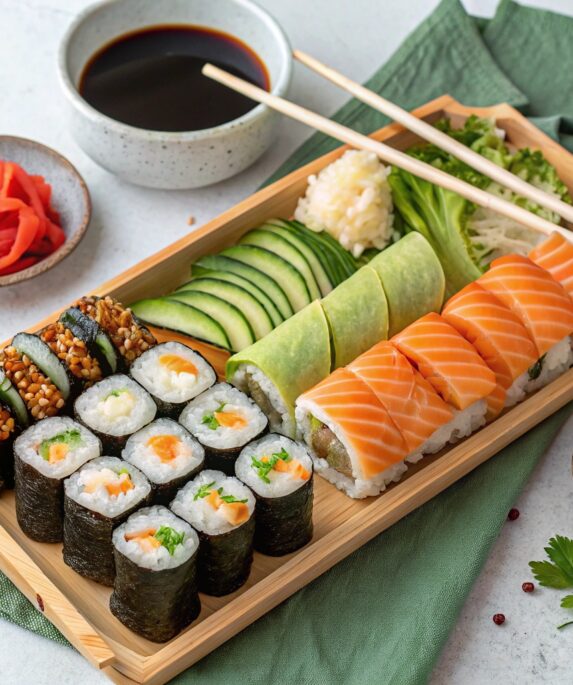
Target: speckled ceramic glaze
(173, 160)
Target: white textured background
(130, 224)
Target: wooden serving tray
(79, 607)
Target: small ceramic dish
(188, 159)
(70, 197)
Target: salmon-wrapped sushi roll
(544, 308)
(353, 441)
(451, 365)
(499, 337)
(556, 256)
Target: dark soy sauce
(152, 78)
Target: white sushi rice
(168, 385)
(159, 558)
(102, 410)
(27, 447)
(281, 419)
(281, 483)
(137, 451)
(223, 437)
(556, 361)
(356, 486)
(99, 500)
(199, 513)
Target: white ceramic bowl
(188, 159)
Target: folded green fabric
(383, 614)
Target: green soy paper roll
(357, 315)
(292, 358)
(412, 278)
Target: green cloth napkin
(383, 614)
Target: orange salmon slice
(230, 419)
(412, 403)
(166, 447)
(556, 256)
(534, 296)
(173, 362)
(351, 405)
(447, 361)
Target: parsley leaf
(560, 551)
(169, 538)
(263, 468)
(567, 602)
(203, 491)
(229, 499)
(557, 573)
(549, 575)
(564, 625)
(209, 419)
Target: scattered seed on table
(513, 514)
(498, 619)
(528, 587)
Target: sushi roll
(13, 419)
(173, 374)
(353, 441)
(94, 338)
(543, 307)
(129, 337)
(224, 420)
(167, 454)
(46, 454)
(221, 509)
(279, 471)
(114, 409)
(41, 397)
(155, 590)
(98, 498)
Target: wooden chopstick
(442, 140)
(386, 153)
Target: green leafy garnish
(209, 419)
(567, 602)
(203, 491)
(263, 468)
(169, 538)
(116, 393)
(564, 625)
(72, 438)
(122, 471)
(535, 369)
(229, 499)
(557, 573)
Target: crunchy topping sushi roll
(155, 590)
(96, 340)
(173, 374)
(13, 419)
(114, 409)
(279, 471)
(98, 497)
(224, 420)
(45, 454)
(221, 508)
(167, 454)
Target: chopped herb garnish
(209, 419)
(203, 491)
(122, 471)
(169, 538)
(229, 499)
(72, 438)
(263, 468)
(535, 370)
(557, 573)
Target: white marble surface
(130, 224)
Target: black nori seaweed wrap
(225, 560)
(224, 460)
(88, 547)
(7, 463)
(39, 503)
(284, 524)
(163, 493)
(155, 604)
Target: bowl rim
(73, 95)
(74, 239)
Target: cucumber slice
(43, 357)
(248, 305)
(273, 242)
(284, 273)
(11, 398)
(256, 276)
(229, 277)
(181, 317)
(96, 339)
(229, 317)
(321, 276)
(344, 257)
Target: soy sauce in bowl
(152, 78)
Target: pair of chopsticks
(402, 160)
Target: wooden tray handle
(46, 597)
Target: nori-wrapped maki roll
(45, 455)
(114, 409)
(224, 420)
(95, 340)
(221, 509)
(13, 419)
(155, 589)
(173, 374)
(279, 471)
(98, 498)
(167, 454)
